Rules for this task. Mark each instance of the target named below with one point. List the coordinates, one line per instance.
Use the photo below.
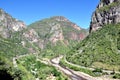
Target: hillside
(100, 49)
(58, 28)
(9, 25)
(107, 12)
(57, 49)
(22, 48)
(14, 67)
(8, 50)
(52, 36)
(13, 45)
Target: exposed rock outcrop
(8, 24)
(56, 33)
(65, 20)
(107, 12)
(40, 33)
(52, 30)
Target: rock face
(107, 12)
(40, 33)
(57, 34)
(8, 24)
(52, 30)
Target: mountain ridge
(107, 12)
(57, 28)
(55, 36)
(9, 25)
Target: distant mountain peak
(55, 29)
(60, 18)
(64, 19)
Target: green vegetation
(52, 51)
(116, 76)
(100, 50)
(98, 70)
(101, 47)
(52, 24)
(105, 66)
(94, 73)
(40, 70)
(13, 47)
(52, 28)
(118, 41)
(60, 48)
(108, 7)
(8, 50)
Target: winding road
(70, 73)
(73, 75)
(55, 62)
(107, 71)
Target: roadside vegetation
(99, 50)
(40, 70)
(95, 73)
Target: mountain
(101, 48)
(58, 28)
(49, 37)
(107, 12)
(17, 64)
(17, 40)
(55, 32)
(9, 48)
(9, 25)
(25, 51)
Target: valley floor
(73, 75)
(81, 74)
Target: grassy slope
(10, 49)
(99, 49)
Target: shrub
(116, 76)
(98, 70)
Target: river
(68, 72)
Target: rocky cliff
(38, 35)
(101, 47)
(107, 12)
(52, 30)
(8, 24)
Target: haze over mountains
(24, 49)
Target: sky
(29, 11)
